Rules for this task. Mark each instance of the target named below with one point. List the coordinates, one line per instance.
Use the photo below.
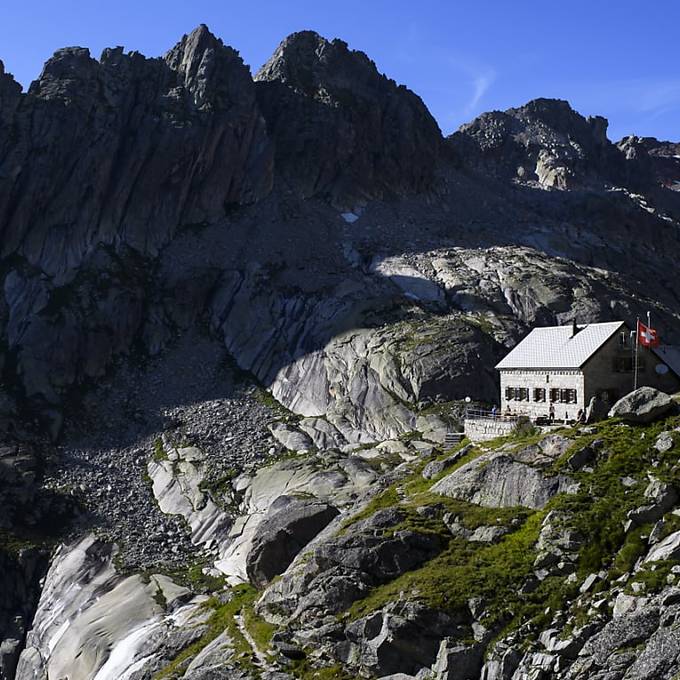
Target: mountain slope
(204, 272)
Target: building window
(517, 394)
(554, 395)
(539, 394)
(624, 340)
(568, 396)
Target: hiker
(493, 412)
(551, 413)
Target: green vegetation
(12, 544)
(498, 573)
(652, 576)
(159, 598)
(303, 670)
(194, 578)
(159, 452)
(223, 618)
(494, 573)
(266, 398)
(599, 509)
(220, 487)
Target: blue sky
(618, 59)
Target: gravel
(193, 393)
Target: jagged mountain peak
(69, 75)
(342, 129)
(9, 90)
(211, 71)
(545, 141)
(192, 46)
(315, 66)
(559, 115)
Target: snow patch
(349, 217)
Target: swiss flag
(648, 337)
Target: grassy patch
(194, 578)
(464, 570)
(220, 487)
(387, 499)
(599, 509)
(222, 619)
(260, 630)
(267, 399)
(304, 670)
(159, 453)
(653, 576)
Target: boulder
(403, 637)
(488, 534)
(643, 405)
(664, 442)
(668, 549)
(291, 523)
(663, 497)
(457, 661)
(496, 480)
(436, 467)
(596, 410)
(501, 663)
(584, 456)
(291, 438)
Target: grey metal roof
(554, 346)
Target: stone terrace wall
(483, 429)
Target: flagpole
(637, 342)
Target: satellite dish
(661, 369)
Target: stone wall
(548, 380)
(483, 429)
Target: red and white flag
(647, 336)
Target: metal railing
(481, 414)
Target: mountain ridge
(232, 306)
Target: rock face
(311, 229)
(290, 524)
(499, 481)
(341, 570)
(401, 638)
(342, 130)
(546, 142)
(644, 405)
(20, 574)
(186, 127)
(82, 591)
(82, 152)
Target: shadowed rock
(290, 525)
(342, 130)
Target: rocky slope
(237, 315)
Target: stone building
(568, 365)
